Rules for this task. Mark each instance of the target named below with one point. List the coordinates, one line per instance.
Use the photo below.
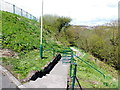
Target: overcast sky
(82, 12)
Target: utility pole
(41, 47)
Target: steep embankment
(20, 38)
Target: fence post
(33, 18)
(74, 76)
(21, 12)
(27, 14)
(13, 8)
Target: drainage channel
(54, 75)
(47, 69)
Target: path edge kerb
(11, 77)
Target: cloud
(78, 10)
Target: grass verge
(89, 78)
(26, 63)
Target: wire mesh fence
(5, 6)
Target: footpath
(78, 53)
(57, 78)
(7, 80)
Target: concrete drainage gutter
(47, 69)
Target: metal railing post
(70, 70)
(72, 59)
(74, 76)
(72, 55)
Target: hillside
(21, 41)
(101, 41)
(20, 36)
(89, 77)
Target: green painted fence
(6, 6)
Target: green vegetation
(21, 35)
(26, 63)
(101, 41)
(89, 78)
(55, 25)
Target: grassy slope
(22, 36)
(89, 78)
(19, 32)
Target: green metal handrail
(74, 75)
(89, 65)
(72, 63)
(55, 51)
(73, 67)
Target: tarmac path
(56, 79)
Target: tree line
(101, 41)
